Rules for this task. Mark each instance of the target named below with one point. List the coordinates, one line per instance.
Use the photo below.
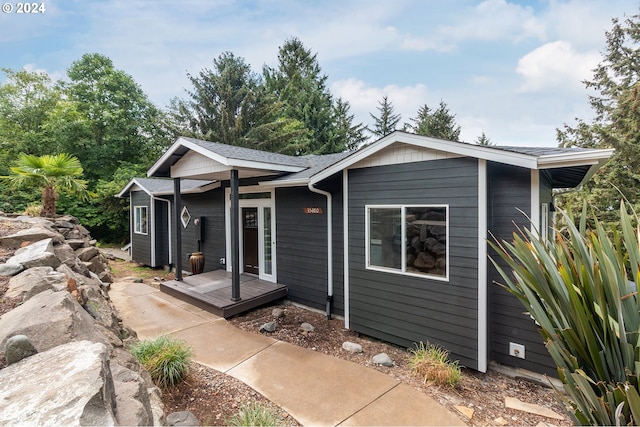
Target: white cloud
(556, 65)
(365, 99)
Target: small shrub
(255, 414)
(432, 363)
(33, 210)
(167, 359)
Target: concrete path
(316, 389)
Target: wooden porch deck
(211, 291)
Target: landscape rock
(157, 407)
(307, 327)
(269, 327)
(86, 254)
(352, 347)
(33, 234)
(382, 359)
(500, 421)
(277, 313)
(182, 418)
(133, 407)
(59, 320)
(10, 269)
(532, 408)
(18, 347)
(76, 243)
(63, 223)
(466, 411)
(98, 264)
(36, 254)
(35, 280)
(65, 253)
(82, 386)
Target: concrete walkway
(316, 389)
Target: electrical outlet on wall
(516, 350)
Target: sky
(513, 69)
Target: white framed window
(140, 220)
(408, 239)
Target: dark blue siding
(140, 243)
(301, 241)
(404, 309)
(510, 193)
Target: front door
(250, 240)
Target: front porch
(211, 291)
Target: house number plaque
(313, 211)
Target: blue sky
(510, 68)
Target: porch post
(177, 205)
(235, 237)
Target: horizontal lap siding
(510, 193)
(162, 233)
(404, 309)
(140, 243)
(301, 241)
(209, 205)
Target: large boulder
(50, 319)
(86, 254)
(35, 280)
(133, 407)
(70, 384)
(30, 235)
(37, 254)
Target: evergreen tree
(616, 104)
(387, 121)
(437, 124)
(299, 85)
(483, 139)
(344, 128)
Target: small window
(410, 240)
(140, 220)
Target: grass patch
(167, 359)
(431, 362)
(255, 414)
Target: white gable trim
(231, 163)
(398, 153)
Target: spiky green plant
(167, 359)
(581, 290)
(431, 362)
(255, 414)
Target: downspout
(168, 202)
(329, 306)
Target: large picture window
(140, 220)
(410, 240)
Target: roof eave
(591, 157)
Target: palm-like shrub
(581, 290)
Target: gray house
(393, 237)
(150, 205)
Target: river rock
(269, 327)
(307, 327)
(352, 347)
(382, 359)
(57, 387)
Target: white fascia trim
(459, 148)
(535, 201)
(303, 182)
(129, 187)
(591, 157)
(345, 242)
(233, 163)
(483, 300)
(196, 190)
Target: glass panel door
(267, 241)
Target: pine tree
(387, 121)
